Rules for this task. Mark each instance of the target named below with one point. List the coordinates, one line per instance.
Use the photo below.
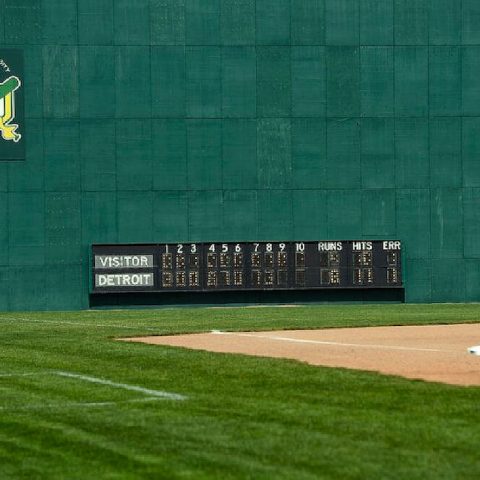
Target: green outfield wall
(224, 120)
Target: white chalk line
(335, 344)
(152, 395)
(124, 386)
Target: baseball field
(76, 403)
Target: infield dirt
(433, 353)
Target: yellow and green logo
(8, 130)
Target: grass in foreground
(245, 417)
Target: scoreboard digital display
(205, 267)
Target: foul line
(124, 386)
(335, 344)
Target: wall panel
(378, 213)
(343, 153)
(22, 25)
(134, 154)
(275, 216)
(204, 83)
(274, 153)
(470, 75)
(448, 280)
(240, 217)
(445, 22)
(202, 22)
(343, 81)
(308, 22)
(99, 218)
(60, 81)
(132, 82)
(26, 228)
(62, 228)
(309, 153)
(170, 213)
(418, 281)
(27, 288)
(273, 22)
(238, 22)
(239, 77)
(62, 155)
(274, 83)
(169, 154)
(97, 155)
(310, 214)
(376, 22)
(471, 151)
(340, 224)
(447, 223)
(411, 22)
(472, 280)
(377, 150)
(97, 70)
(168, 81)
(376, 82)
(134, 217)
(60, 22)
(167, 22)
(342, 22)
(239, 154)
(95, 22)
(132, 25)
(65, 287)
(204, 154)
(445, 146)
(471, 222)
(4, 288)
(205, 215)
(308, 82)
(413, 222)
(33, 81)
(411, 81)
(471, 22)
(445, 81)
(412, 168)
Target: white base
(474, 350)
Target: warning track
(435, 353)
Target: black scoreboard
(174, 267)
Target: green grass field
(242, 417)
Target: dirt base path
(434, 353)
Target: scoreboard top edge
(203, 242)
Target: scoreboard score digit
(218, 266)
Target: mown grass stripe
(84, 324)
(67, 405)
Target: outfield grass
(244, 417)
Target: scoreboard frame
(246, 266)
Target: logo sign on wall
(12, 115)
